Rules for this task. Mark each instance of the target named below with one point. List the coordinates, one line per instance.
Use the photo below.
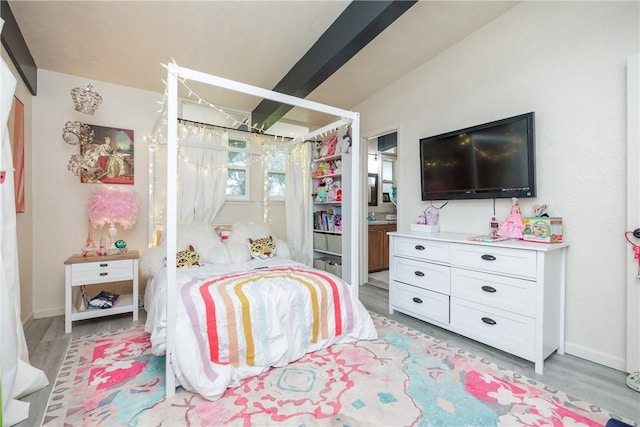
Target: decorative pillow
(187, 258)
(237, 243)
(201, 236)
(262, 248)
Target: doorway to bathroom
(382, 204)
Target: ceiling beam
(358, 24)
(17, 49)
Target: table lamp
(112, 206)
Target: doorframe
(364, 232)
(633, 211)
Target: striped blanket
(238, 324)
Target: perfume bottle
(102, 250)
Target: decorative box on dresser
(507, 294)
(80, 271)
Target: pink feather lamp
(112, 206)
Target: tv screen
(492, 160)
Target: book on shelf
(103, 300)
(328, 220)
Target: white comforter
(237, 321)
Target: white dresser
(508, 294)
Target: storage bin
(320, 241)
(334, 243)
(319, 264)
(334, 267)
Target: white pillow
(201, 236)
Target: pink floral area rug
(404, 378)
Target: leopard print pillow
(262, 248)
(187, 258)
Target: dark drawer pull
(489, 289)
(420, 248)
(418, 300)
(104, 273)
(488, 257)
(104, 265)
(419, 273)
(489, 321)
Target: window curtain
(202, 172)
(298, 202)
(19, 378)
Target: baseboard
(48, 313)
(27, 321)
(600, 358)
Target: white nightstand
(81, 270)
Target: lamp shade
(108, 205)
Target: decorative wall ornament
(75, 133)
(86, 100)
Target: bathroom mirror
(372, 182)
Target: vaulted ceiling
(297, 47)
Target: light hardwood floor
(578, 378)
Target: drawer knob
(104, 273)
(417, 300)
(420, 248)
(488, 257)
(419, 273)
(489, 289)
(489, 321)
(104, 265)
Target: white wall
(59, 199)
(567, 62)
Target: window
(276, 164)
(238, 168)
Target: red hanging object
(635, 248)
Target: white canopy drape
(297, 201)
(202, 173)
(19, 378)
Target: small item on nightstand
(102, 250)
(81, 301)
(121, 245)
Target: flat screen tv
(492, 160)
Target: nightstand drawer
(426, 305)
(421, 249)
(102, 271)
(506, 293)
(504, 261)
(498, 328)
(425, 275)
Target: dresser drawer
(516, 262)
(426, 305)
(433, 277)
(102, 271)
(421, 249)
(506, 293)
(507, 331)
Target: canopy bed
(329, 313)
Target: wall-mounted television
(492, 160)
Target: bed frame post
(172, 165)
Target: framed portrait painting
(109, 156)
